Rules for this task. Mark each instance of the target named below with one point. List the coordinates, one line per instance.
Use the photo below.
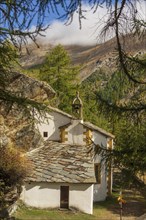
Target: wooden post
(120, 200)
(121, 210)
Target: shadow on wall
(72, 187)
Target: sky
(58, 32)
(71, 34)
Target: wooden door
(64, 197)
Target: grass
(101, 210)
(107, 210)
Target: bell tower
(77, 107)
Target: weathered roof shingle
(58, 162)
(100, 130)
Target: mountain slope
(90, 57)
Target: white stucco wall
(51, 125)
(47, 195)
(81, 197)
(75, 133)
(100, 190)
(41, 195)
(99, 138)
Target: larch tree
(59, 72)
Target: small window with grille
(45, 134)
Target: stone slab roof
(86, 124)
(92, 127)
(60, 112)
(58, 162)
(96, 128)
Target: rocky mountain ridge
(90, 57)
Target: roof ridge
(95, 127)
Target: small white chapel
(66, 173)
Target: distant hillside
(90, 57)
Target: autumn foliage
(13, 170)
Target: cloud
(58, 32)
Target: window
(45, 134)
(97, 168)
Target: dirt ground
(134, 207)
